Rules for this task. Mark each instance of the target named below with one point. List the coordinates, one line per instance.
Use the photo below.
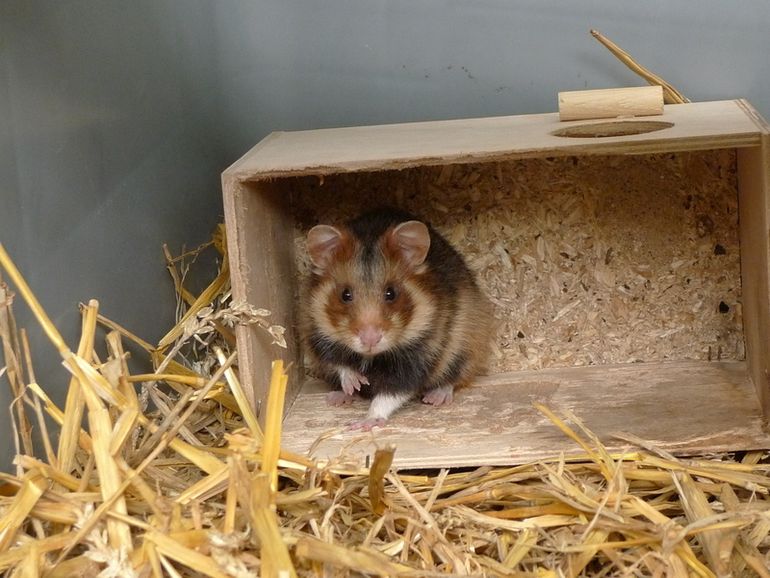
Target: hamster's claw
(351, 380)
(337, 398)
(439, 396)
(366, 424)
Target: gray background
(117, 117)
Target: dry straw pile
(170, 474)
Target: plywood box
(627, 262)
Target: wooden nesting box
(627, 262)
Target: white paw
(439, 396)
(351, 381)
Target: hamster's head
(370, 295)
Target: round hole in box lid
(612, 128)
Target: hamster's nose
(370, 335)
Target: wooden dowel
(611, 103)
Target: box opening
(591, 260)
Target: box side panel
(754, 201)
(261, 252)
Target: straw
(127, 493)
(670, 94)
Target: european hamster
(392, 312)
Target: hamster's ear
(323, 242)
(411, 241)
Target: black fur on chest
(402, 369)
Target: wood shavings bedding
(587, 260)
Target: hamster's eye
(390, 293)
(346, 295)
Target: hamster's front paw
(351, 381)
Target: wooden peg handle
(611, 103)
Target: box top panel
(704, 125)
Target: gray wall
(293, 65)
(108, 148)
(117, 117)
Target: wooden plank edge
(232, 171)
(685, 144)
(761, 441)
(753, 114)
(231, 188)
